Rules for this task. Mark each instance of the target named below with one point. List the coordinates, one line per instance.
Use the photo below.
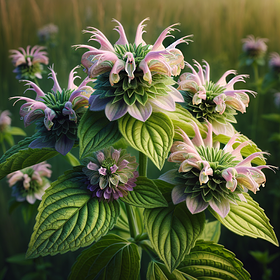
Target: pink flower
(254, 47)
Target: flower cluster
(30, 183)
(111, 173)
(133, 78)
(56, 113)
(29, 63)
(274, 62)
(210, 176)
(215, 102)
(254, 47)
(5, 120)
(48, 33)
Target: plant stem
(36, 82)
(131, 221)
(256, 107)
(143, 164)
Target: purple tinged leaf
(222, 208)
(38, 144)
(196, 204)
(178, 194)
(63, 145)
(116, 110)
(140, 112)
(97, 104)
(169, 176)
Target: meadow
(218, 27)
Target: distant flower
(277, 99)
(30, 183)
(111, 173)
(210, 176)
(5, 120)
(48, 33)
(215, 102)
(57, 112)
(274, 62)
(29, 63)
(133, 78)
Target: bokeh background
(218, 27)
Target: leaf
(272, 117)
(110, 258)
(96, 132)
(16, 131)
(19, 259)
(165, 188)
(145, 194)
(212, 261)
(20, 156)
(247, 218)
(158, 271)
(183, 119)
(153, 137)
(211, 232)
(69, 218)
(173, 231)
(72, 159)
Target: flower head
(274, 62)
(210, 176)
(215, 102)
(111, 173)
(48, 33)
(5, 120)
(30, 183)
(133, 78)
(29, 63)
(56, 113)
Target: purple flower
(216, 102)
(29, 63)
(56, 113)
(5, 120)
(30, 183)
(254, 47)
(48, 33)
(274, 62)
(111, 173)
(133, 78)
(210, 176)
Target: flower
(254, 47)
(210, 176)
(56, 113)
(215, 102)
(47, 33)
(30, 183)
(274, 62)
(5, 120)
(111, 173)
(29, 63)
(133, 78)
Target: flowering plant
(129, 99)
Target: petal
(196, 204)
(138, 37)
(122, 40)
(164, 102)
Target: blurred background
(218, 27)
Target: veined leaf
(16, 131)
(110, 258)
(96, 132)
(211, 232)
(173, 231)
(146, 195)
(20, 156)
(158, 271)
(153, 137)
(212, 261)
(69, 218)
(248, 218)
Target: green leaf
(248, 218)
(72, 159)
(158, 271)
(208, 261)
(153, 137)
(19, 259)
(110, 258)
(173, 231)
(165, 188)
(69, 217)
(245, 151)
(272, 117)
(96, 132)
(16, 131)
(211, 232)
(20, 156)
(9, 139)
(145, 194)
(183, 119)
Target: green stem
(131, 221)
(36, 82)
(3, 147)
(256, 107)
(143, 164)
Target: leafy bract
(96, 132)
(211, 232)
(69, 217)
(173, 231)
(20, 156)
(248, 218)
(153, 137)
(212, 261)
(112, 257)
(145, 194)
